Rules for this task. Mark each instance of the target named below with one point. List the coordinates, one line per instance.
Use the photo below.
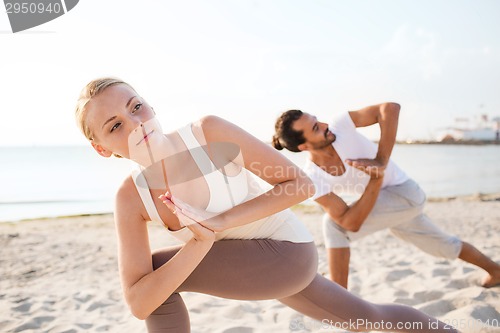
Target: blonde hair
(92, 89)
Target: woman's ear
(100, 149)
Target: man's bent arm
(352, 217)
(387, 116)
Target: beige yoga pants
(270, 269)
(400, 209)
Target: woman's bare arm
(145, 289)
(290, 184)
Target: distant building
(479, 129)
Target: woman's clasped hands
(189, 217)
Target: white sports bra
(225, 193)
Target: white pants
(399, 208)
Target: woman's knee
(170, 317)
(302, 267)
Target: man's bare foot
(491, 281)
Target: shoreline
(450, 142)
(298, 207)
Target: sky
(249, 60)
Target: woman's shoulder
(128, 201)
(128, 196)
(216, 128)
(207, 128)
(210, 122)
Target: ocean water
(57, 181)
(445, 170)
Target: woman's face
(117, 118)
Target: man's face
(316, 133)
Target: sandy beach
(60, 275)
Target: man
(344, 162)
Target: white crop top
(225, 193)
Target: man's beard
(326, 142)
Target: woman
(241, 241)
